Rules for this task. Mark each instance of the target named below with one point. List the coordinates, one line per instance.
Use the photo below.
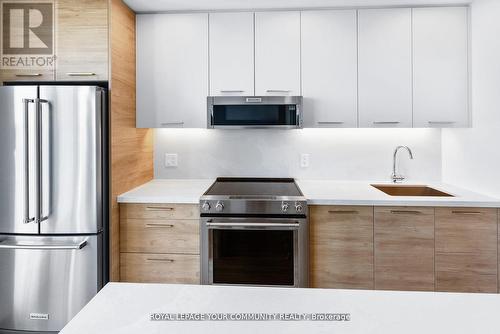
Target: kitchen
(262, 157)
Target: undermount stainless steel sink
(410, 190)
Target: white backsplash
(471, 157)
(342, 154)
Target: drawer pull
(153, 225)
(405, 212)
(343, 212)
(159, 208)
(466, 212)
(20, 75)
(160, 260)
(81, 74)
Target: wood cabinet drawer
(26, 75)
(159, 211)
(466, 249)
(159, 236)
(160, 268)
(341, 247)
(466, 230)
(404, 248)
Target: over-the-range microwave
(230, 112)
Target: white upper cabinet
(277, 53)
(329, 68)
(231, 53)
(385, 92)
(440, 78)
(172, 70)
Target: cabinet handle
(160, 260)
(326, 123)
(407, 212)
(278, 91)
(466, 212)
(343, 212)
(159, 225)
(159, 208)
(386, 122)
(81, 74)
(28, 75)
(441, 122)
(172, 124)
(231, 91)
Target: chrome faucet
(398, 178)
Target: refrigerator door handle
(40, 158)
(12, 244)
(27, 218)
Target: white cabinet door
(172, 70)
(385, 94)
(277, 53)
(231, 54)
(440, 78)
(329, 68)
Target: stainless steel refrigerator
(52, 217)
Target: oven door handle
(242, 225)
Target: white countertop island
(317, 192)
(126, 308)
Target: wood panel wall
(131, 148)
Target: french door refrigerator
(52, 217)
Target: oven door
(253, 251)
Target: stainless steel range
(254, 231)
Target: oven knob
(206, 206)
(298, 207)
(219, 206)
(284, 207)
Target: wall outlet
(171, 160)
(304, 160)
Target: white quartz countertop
(167, 191)
(126, 308)
(323, 192)
(317, 192)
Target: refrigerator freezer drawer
(47, 280)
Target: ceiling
(189, 5)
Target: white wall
(471, 157)
(355, 154)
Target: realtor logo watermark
(27, 34)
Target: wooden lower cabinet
(404, 248)
(160, 268)
(160, 236)
(466, 250)
(341, 247)
(159, 243)
(159, 211)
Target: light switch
(171, 159)
(304, 160)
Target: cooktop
(240, 187)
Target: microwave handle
(299, 120)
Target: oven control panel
(289, 207)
